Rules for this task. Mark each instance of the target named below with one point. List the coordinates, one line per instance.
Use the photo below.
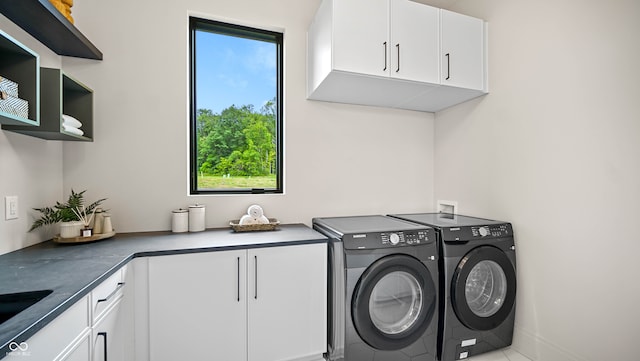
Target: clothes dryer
(477, 283)
(383, 294)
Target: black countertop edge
(46, 312)
(223, 248)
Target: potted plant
(65, 214)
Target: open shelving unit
(60, 94)
(21, 65)
(41, 19)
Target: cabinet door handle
(448, 66)
(238, 279)
(385, 56)
(119, 286)
(256, 278)
(104, 335)
(398, 48)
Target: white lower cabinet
(65, 338)
(79, 333)
(111, 325)
(287, 302)
(260, 304)
(109, 335)
(79, 351)
(197, 306)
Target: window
(236, 109)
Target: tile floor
(500, 355)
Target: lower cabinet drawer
(106, 293)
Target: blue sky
(233, 70)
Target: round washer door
(394, 302)
(483, 288)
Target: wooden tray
(79, 239)
(272, 225)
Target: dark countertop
(73, 270)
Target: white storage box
(8, 87)
(15, 106)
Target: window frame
(225, 28)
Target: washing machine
(383, 293)
(477, 283)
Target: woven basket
(237, 227)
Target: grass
(219, 182)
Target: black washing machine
(477, 283)
(383, 293)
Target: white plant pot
(70, 229)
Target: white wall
(555, 149)
(30, 168)
(339, 159)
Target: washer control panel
(404, 238)
(390, 239)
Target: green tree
(239, 141)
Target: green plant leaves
(62, 212)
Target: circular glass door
(393, 302)
(483, 288)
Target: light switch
(10, 207)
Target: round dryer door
(393, 302)
(483, 288)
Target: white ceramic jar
(196, 218)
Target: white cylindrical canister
(196, 218)
(98, 219)
(179, 220)
(107, 227)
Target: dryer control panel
(472, 233)
(494, 230)
(375, 240)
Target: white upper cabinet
(358, 41)
(396, 38)
(391, 53)
(414, 41)
(463, 51)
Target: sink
(13, 303)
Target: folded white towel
(262, 220)
(255, 211)
(247, 220)
(71, 121)
(72, 130)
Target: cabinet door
(361, 36)
(197, 306)
(80, 352)
(109, 336)
(287, 291)
(463, 51)
(414, 41)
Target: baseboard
(537, 348)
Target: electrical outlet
(11, 207)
